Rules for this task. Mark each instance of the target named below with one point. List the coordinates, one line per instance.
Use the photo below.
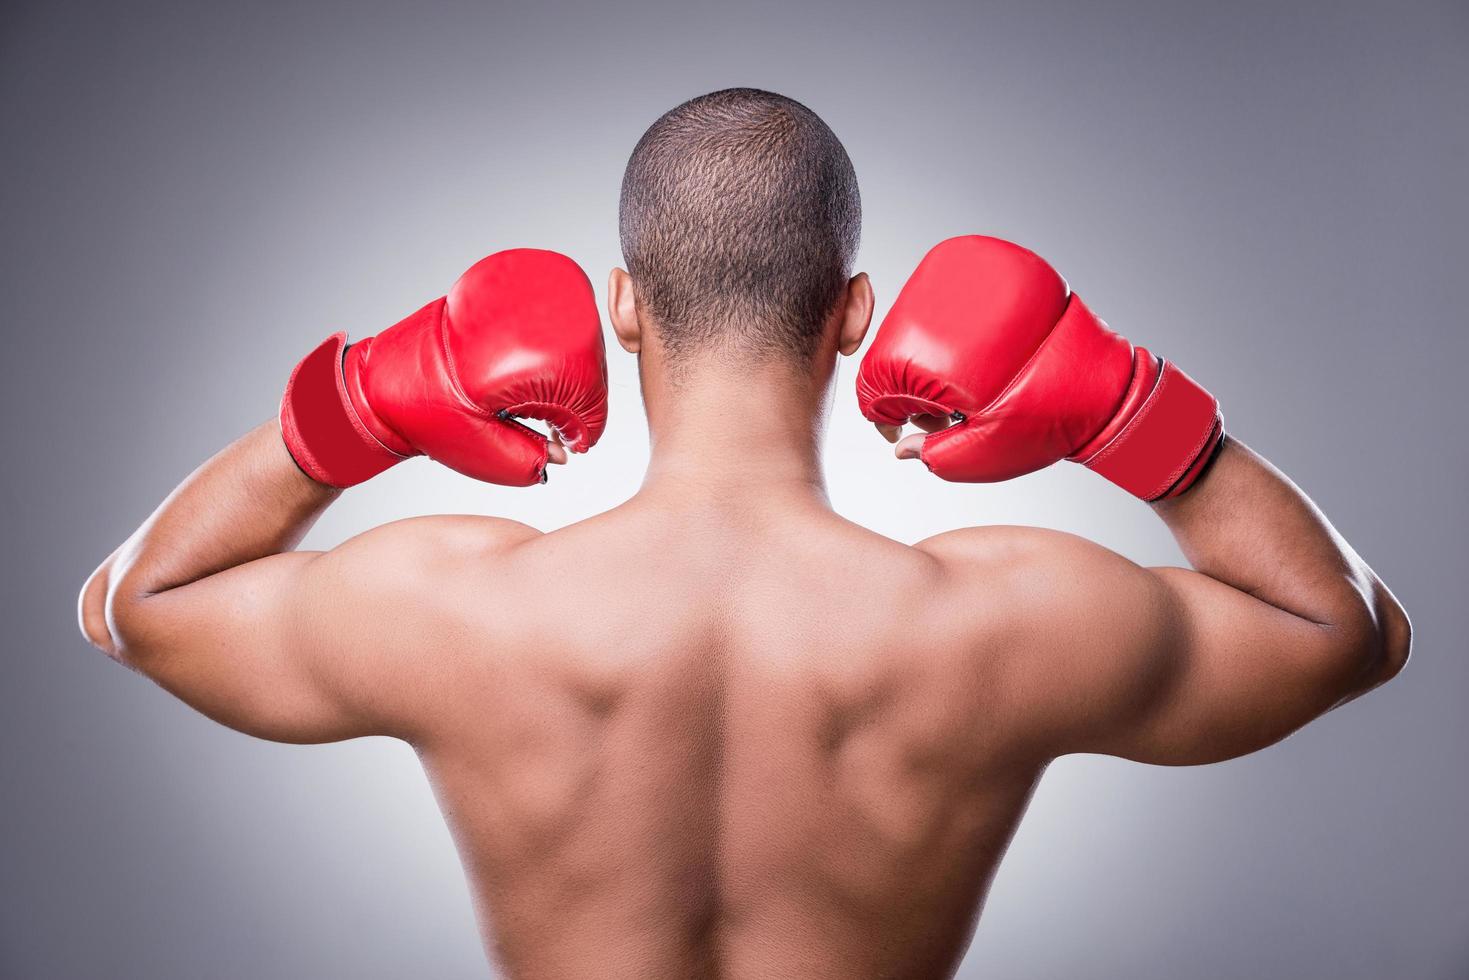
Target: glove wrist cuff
(1168, 433)
(320, 426)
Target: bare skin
(718, 730)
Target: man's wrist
(1162, 438)
(319, 424)
(310, 491)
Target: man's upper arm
(1164, 666)
(314, 646)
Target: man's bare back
(730, 757)
(719, 731)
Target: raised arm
(1280, 622)
(989, 350)
(207, 597)
(208, 600)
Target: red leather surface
(1175, 426)
(320, 427)
(987, 329)
(517, 336)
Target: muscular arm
(1278, 622)
(207, 597)
(208, 600)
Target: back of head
(740, 218)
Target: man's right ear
(622, 310)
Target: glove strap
(1170, 428)
(321, 428)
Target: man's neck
(725, 435)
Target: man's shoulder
(1072, 624)
(454, 533)
(420, 581)
(1057, 586)
(424, 550)
(1016, 551)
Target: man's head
(740, 219)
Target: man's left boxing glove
(986, 333)
(516, 337)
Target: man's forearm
(247, 502)
(1248, 526)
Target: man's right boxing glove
(989, 335)
(517, 336)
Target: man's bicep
(323, 646)
(265, 648)
(1217, 674)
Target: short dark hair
(740, 219)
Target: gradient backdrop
(193, 194)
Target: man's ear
(622, 310)
(856, 314)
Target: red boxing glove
(988, 334)
(517, 337)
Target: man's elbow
(92, 611)
(111, 616)
(1396, 637)
(1374, 647)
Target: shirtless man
(719, 731)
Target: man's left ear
(856, 314)
(622, 310)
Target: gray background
(193, 194)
